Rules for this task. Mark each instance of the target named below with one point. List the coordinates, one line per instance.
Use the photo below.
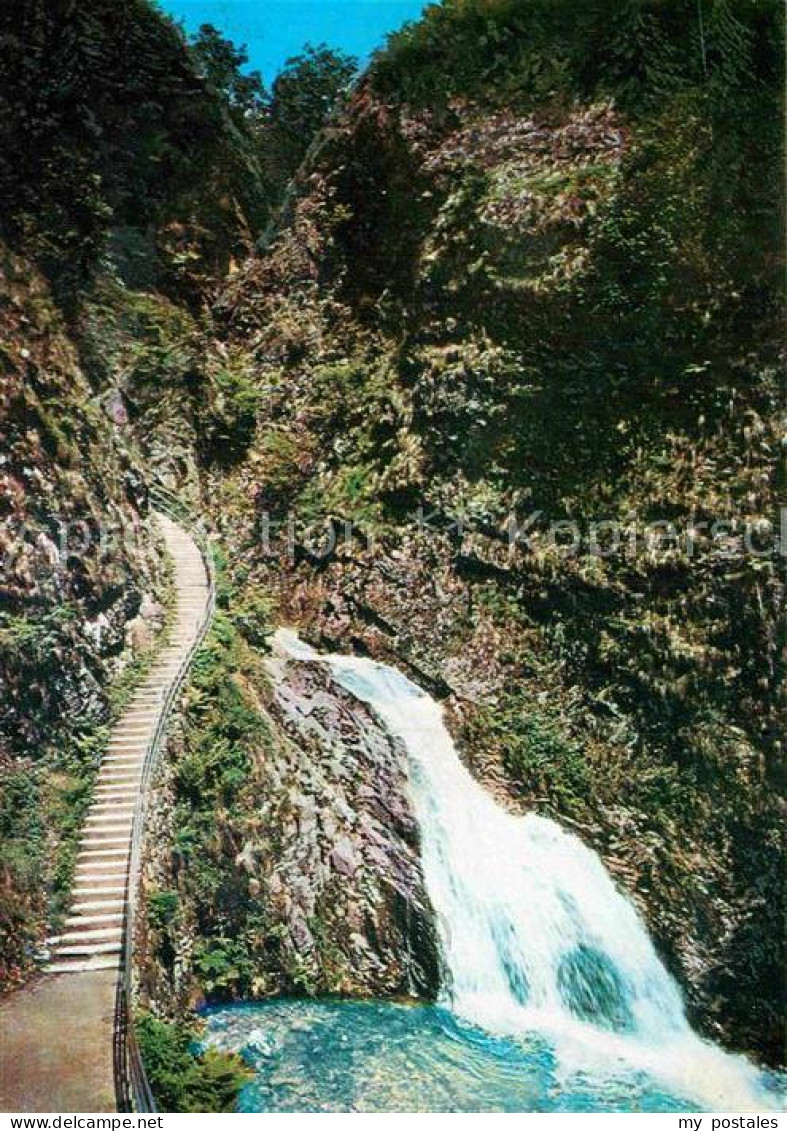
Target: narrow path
(56, 1036)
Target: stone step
(86, 949)
(98, 854)
(110, 814)
(87, 888)
(119, 821)
(89, 843)
(95, 897)
(98, 962)
(106, 804)
(103, 906)
(102, 867)
(108, 920)
(109, 830)
(102, 864)
(89, 934)
(111, 876)
(92, 842)
(88, 847)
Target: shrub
(541, 757)
(182, 1079)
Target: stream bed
(343, 1056)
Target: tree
(220, 63)
(308, 90)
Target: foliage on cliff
(530, 279)
(111, 139)
(104, 134)
(77, 568)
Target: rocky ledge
(345, 877)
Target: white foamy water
(535, 935)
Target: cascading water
(535, 935)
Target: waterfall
(535, 935)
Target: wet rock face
(345, 879)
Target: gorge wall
(526, 277)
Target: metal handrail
(132, 1087)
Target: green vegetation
(547, 764)
(229, 421)
(45, 796)
(166, 155)
(533, 52)
(306, 92)
(225, 731)
(171, 164)
(183, 1079)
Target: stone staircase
(92, 937)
